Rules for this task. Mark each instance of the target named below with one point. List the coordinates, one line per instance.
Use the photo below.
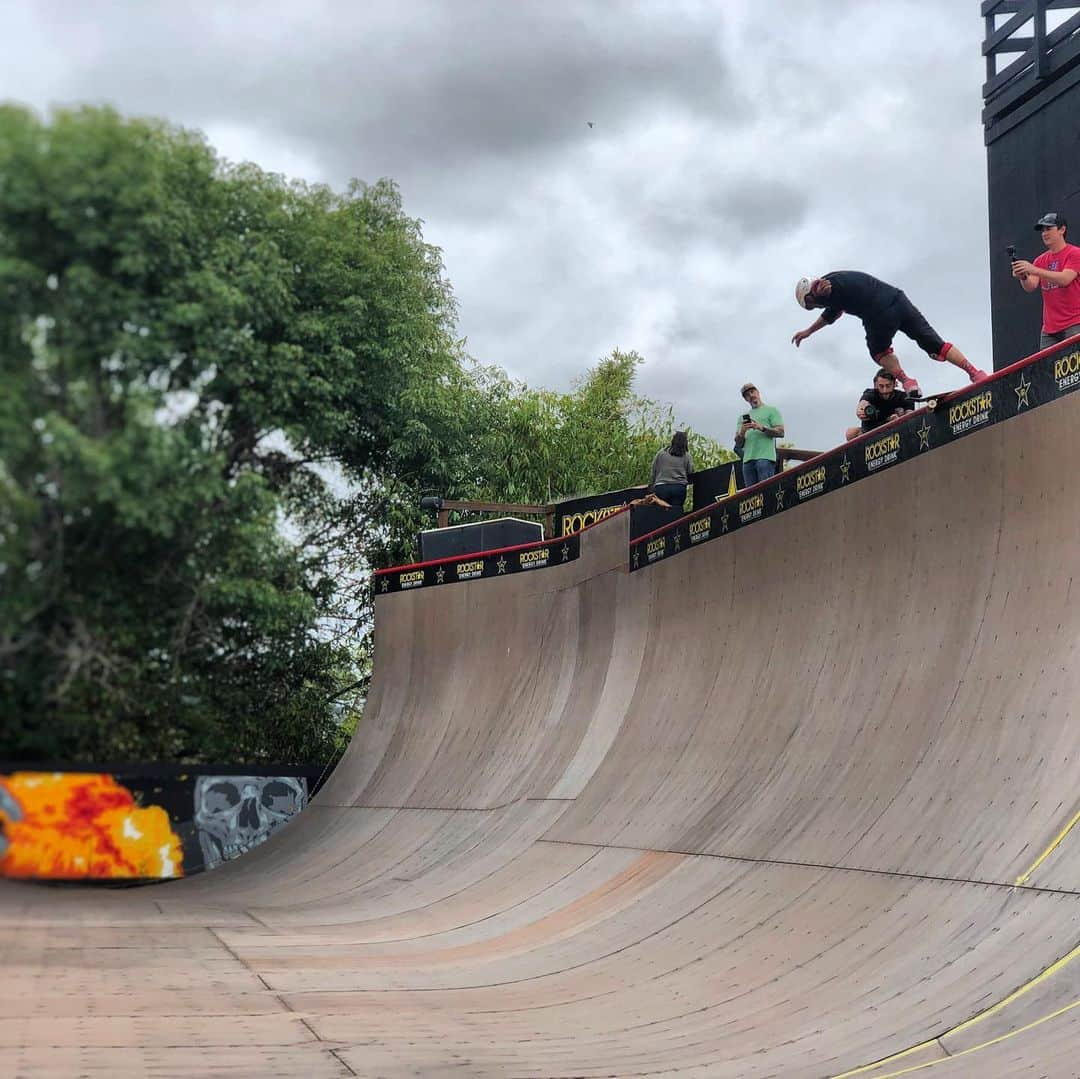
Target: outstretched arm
(818, 324)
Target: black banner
(714, 484)
(577, 513)
(497, 563)
(1024, 386)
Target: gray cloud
(736, 147)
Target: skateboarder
(879, 404)
(884, 310)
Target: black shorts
(902, 315)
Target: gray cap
(1052, 220)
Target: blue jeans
(674, 494)
(756, 471)
(1048, 339)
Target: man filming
(879, 404)
(1057, 273)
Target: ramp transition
(798, 802)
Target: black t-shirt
(858, 294)
(884, 407)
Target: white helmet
(802, 290)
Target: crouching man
(880, 403)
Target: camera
(1011, 252)
(745, 417)
(870, 412)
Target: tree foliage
(182, 343)
(221, 397)
(540, 446)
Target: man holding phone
(1057, 273)
(756, 437)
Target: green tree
(513, 443)
(221, 397)
(540, 446)
(183, 345)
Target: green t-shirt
(760, 447)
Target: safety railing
(1028, 44)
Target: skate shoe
(978, 376)
(910, 387)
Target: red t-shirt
(1061, 303)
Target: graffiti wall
(140, 822)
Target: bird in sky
(590, 123)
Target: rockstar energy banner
(578, 513)
(715, 484)
(474, 566)
(1019, 388)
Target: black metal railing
(1028, 44)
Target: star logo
(779, 498)
(501, 564)
(637, 557)
(678, 542)
(440, 575)
(385, 585)
(845, 470)
(724, 521)
(1021, 392)
(566, 552)
(924, 435)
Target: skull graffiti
(235, 813)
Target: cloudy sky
(735, 147)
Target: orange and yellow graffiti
(71, 825)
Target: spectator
(1057, 272)
(880, 403)
(756, 437)
(885, 311)
(672, 470)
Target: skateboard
(932, 400)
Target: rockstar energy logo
(883, 451)
(467, 570)
(699, 529)
(1067, 372)
(810, 483)
(533, 559)
(413, 579)
(655, 549)
(750, 509)
(575, 522)
(974, 412)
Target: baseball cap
(748, 386)
(1052, 220)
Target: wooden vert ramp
(797, 802)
